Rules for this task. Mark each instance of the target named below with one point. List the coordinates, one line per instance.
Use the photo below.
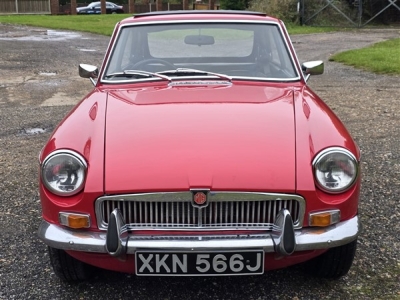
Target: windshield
(246, 50)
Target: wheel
(334, 263)
(68, 268)
(146, 62)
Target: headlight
(335, 170)
(63, 172)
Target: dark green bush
(233, 4)
(282, 9)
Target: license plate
(175, 263)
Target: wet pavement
(24, 33)
(39, 84)
(31, 76)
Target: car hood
(220, 138)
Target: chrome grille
(225, 210)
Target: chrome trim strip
(296, 58)
(213, 196)
(197, 78)
(142, 22)
(66, 151)
(107, 54)
(283, 234)
(306, 239)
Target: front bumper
(283, 240)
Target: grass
(297, 29)
(104, 24)
(381, 58)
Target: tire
(68, 268)
(334, 263)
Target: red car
(201, 151)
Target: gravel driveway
(39, 83)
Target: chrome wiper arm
(137, 73)
(184, 71)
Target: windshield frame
(283, 34)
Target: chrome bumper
(283, 240)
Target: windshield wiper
(193, 72)
(136, 74)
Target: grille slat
(167, 213)
(264, 212)
(140, 213)
(182, 215)
(247, 212)
(253, 211)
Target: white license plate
(176, 263)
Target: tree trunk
(103, 7)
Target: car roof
(98, 2)
(191, 12)
(199, 15)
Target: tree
(233, 4)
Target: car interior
(237, 50)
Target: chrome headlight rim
(328, 151)
(82, 163)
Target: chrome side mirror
(88, 71)
(312, 68)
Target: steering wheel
(149, 61)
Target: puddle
(87, 50)
(47, 73)
(33, 131)
(25, 34)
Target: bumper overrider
(283, 239)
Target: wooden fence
(139, 8)
(43, 7)
(24, 6)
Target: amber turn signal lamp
(324, 218)
(75, 221)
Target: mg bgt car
(201, 151)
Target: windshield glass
(253, 51)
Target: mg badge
(199, 199)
